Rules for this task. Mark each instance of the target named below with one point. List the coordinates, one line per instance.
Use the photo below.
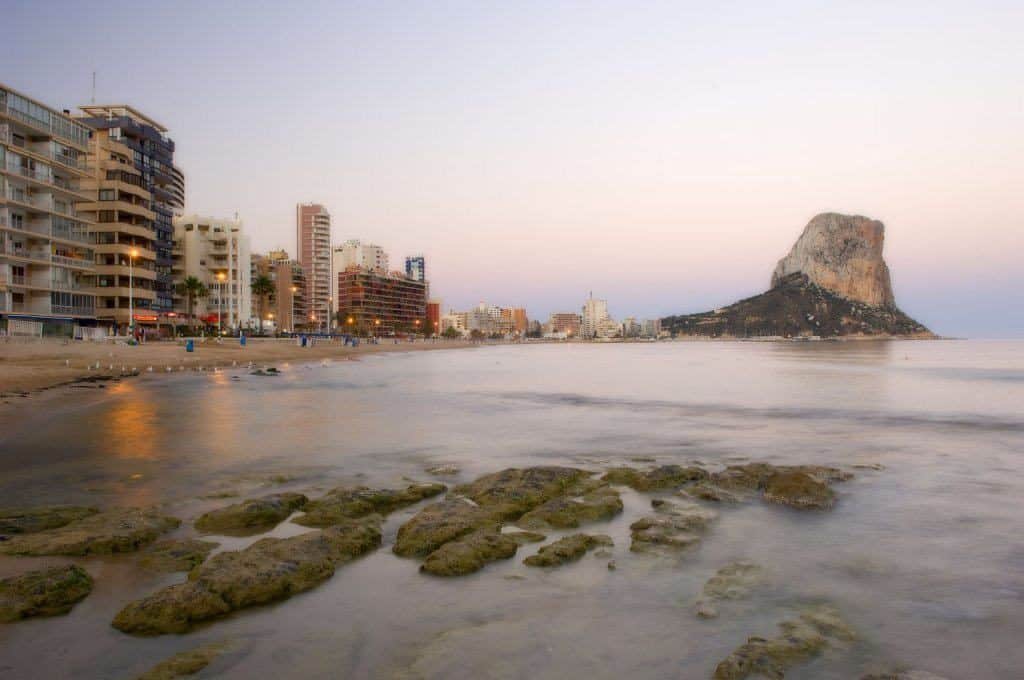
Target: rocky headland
(833, 283)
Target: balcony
(76, 262)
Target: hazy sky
(663, 155)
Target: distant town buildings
(434, 317)
(355, 253)
(313, 246)
(487, 320)
(596, 322)
(216, 252)
(564, 323)
(47, 251)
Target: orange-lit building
(433, 317)
(378, 304)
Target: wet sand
(33, 365)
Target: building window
(108, 195)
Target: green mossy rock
(469, 554)
(706, 491)
(801, 639)
(524, 537)
(112, 531)
(45, 592)
(798, 490)
(661, 477)
(175, 555)
(251, 516)
(734, 581)
(439, 523)
(674, 526)
(600, 504)
(182, 664)
(351, 503)
(567, 549)
(270, 569)
(34, 520)
(510, 493)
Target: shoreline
(29, 368)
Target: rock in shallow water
(45, 592)
(808, 635)
(567, 549)
(732, 582)
(351, 503)
(111, 531)
(469, 554)
(33, 520)
(662, 477)
(269, 569)
(673, 526)
(799, 486)
(512, 492)
(176, 555)
(568, 512)
(251, 516)
(182, 664)
(439, 523)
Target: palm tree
(262, 288)
(191, 289)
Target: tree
(451, 333)
(191, 289)
(262, 288)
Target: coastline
(30, 367)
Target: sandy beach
(32, 365)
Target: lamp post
(220, 303)
(132, 254)
(327, 317)
(376, 323)
(291, 318)
(270, 317)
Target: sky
(663, 155)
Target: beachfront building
(215, 251)
(287, 304)
(374, 303)
(433, 317)
(313, 248)
(46, 249)
(134, 136)
(596, 322)
(564, 323)
(416, 268)
(355, 253)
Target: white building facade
(217, 252)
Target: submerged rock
(510, 493)
(799, 486)
(189, 662)
(524, 537)
(176, 555)
(706, 491)
(673, 526)
(903, 675)
(662, 477)
(734, 581)
(798, 490)
(351, 503)
(270, 569)
(602, 503)
(33, 520)
(469, 553)
(443, 470)
(438, 523)
(252, 515)
(801, 639)
(45, 592)
(111, 531)
(567, 549)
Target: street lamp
(132, 254)
(291, 318)
(221, 277)
(376, 322)
(270, 317)
(327, 317)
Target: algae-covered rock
(510, 493)
(270, 569)
(251, 516)
(674, 525)
(567, 549)
(469, 553)
(706, 491)
(45, 592)
(801, 639)
(351, 503)
(111, 531)
(175, 555)
(798, 490)
(661, 477)
(438, 523)
(903, 675)
(524, 537)
(564, 512)
(33, 520)
(189, 662)
(734, 581)
(443, 470)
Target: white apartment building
(47, 257)
(216, 252)
(596, 321)
(355, 253)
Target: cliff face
(842, 253)
(833, 283)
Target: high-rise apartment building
(380, 304)
(216, 252)
(287, 303)
(313, 246)
(355, 253)
(433, 317)
(565, 322)
(46, 248)
(416, 268)
(152, 155)
(596, 321)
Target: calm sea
(924, 557)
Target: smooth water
(924, 558)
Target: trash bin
(190, 345)
(303, 340)
(241, 340)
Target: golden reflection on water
(132, 424)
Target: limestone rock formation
(842, 253)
